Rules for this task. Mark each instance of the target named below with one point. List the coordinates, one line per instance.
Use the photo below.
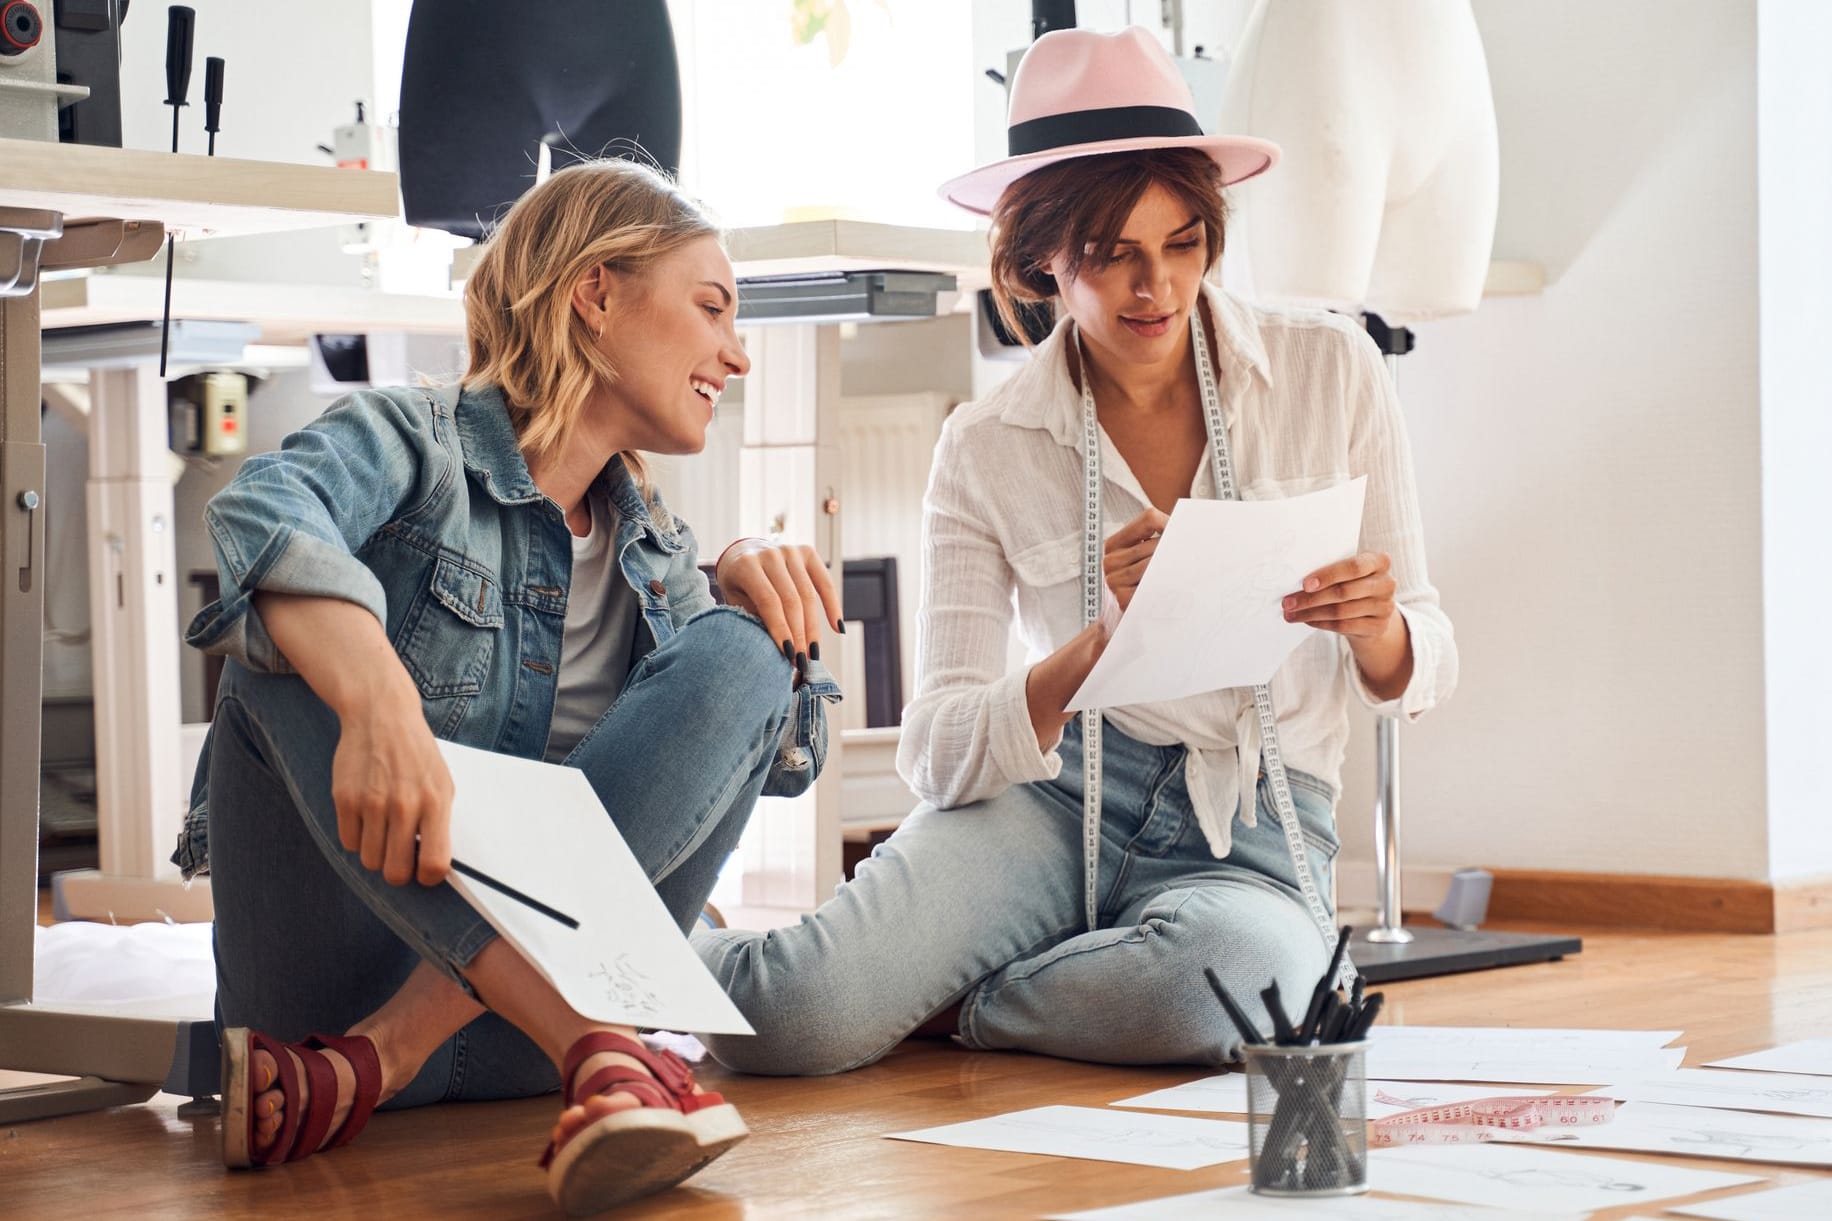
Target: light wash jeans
(308, 940)
(982, 905)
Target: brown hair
(1078, 208)
(523, 333)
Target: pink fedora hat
(1080, 94)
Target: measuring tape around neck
(1092, 582)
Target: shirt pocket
(449, 636)
(1048, 563)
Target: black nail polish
(814, 649)
(801, 663)
(788, 650)
(842, 627)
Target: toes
(599, 1105)
(264, 1070)
(265, 1130)
(268, 1104)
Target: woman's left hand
(1354, 598)
(787, 587)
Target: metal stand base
(1445, 951)
(68, 1098)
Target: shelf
(286, 313)
(197, 195)
(838, 245)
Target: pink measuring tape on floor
(1485, 1119)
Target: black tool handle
(180, 23)
(213, 94)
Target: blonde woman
(485, 563)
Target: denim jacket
(417, 505)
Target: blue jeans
(982, 906)
(307, 939)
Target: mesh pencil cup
(1307, 1119)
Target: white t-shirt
(600, 630)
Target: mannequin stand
(1389, 951)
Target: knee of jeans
(803, 1025)
(1248, 950)
(736, 649)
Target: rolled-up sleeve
(967, 735)
(1378, 448)
(292, 521)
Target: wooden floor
(818, 1149)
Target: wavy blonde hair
(523, 334)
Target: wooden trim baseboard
(1692, 905)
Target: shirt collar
(493, 456)
(1043, 395)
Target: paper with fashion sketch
(1511, 1054)
(1226, 1094)
(1170, 1141)
(1207, 614)
(1812, 1056)
(540, 829)
(1785, 1093)
(1781, 1204)
(1498, 1176)
(1240, 1204)
(1647, 1127)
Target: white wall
(291, 73)
(1794, 167)
(1590, 467)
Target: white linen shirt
(1308, 404)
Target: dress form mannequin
(1385, 197)
(1384, 201)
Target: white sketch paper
(1095, 1134)
(1784, 1093)
(1518, 1054)
(1802, 1200)
(1226, 1094)
(540, 829)
(1240, 1204)
(1496, 1176)
(1208, 613)
(1648, 1127)
(1813, 1056)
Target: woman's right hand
(1053, 682)
(1129, 551)
(391, 787)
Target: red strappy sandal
(302, 1127)
(669, 1135)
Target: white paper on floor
(1497, 1176)
(540, 829)
(1240, 1204)
(1170, 1141)
(1207, 614)
(1648, 1127)
(1226, 1094)
(150, 970)
(1813, 1056)
(1785, 1093)
(1802, 1200)
(1510, 1054)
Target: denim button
(657, 588)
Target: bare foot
(589, 1110)
(270, 1103)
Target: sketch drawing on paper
(625, 986)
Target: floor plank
(818, 1149)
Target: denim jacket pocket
(803, 752)
(450, 632)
